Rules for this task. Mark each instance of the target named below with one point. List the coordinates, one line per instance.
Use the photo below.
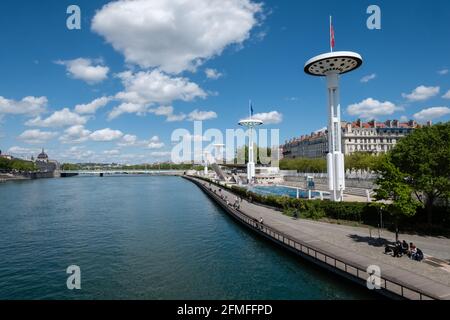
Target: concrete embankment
(27, 176)
(394, 281)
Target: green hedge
(367, 213)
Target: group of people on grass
(403, 248)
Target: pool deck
(344, 250)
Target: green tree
(5, 164)
(358, 160)
(304, 164)
(70, 166)
(362, 161)
(424, 158)
(266, 153)
(398, 194)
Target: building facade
(314, 145)
(44, 164)
(371, 137)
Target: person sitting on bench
(418, 256)
(397, 251)
(412, 250)
(405, 247)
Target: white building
(372, 137)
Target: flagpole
(331, 44)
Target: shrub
(367, 213)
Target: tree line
(356, 161)
(415, 174)
(413, 178)
(17, 165)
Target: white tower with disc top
(332, 65)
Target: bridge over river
(71, 173)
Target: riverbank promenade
(347, 251)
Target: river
(141, 237)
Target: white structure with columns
(206, 153)
(250, 124)
(219, 153)
(332, 65)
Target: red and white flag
(332, 42)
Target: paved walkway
(355, 244)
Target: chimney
(412, 123)
(429, 123)
(395, 123)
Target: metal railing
(389, 285)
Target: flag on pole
(251, 108)
(332, 41)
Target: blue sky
(139, 70)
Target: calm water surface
(139, 237)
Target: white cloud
(128, 107)
(84, 69)
(273, 117)
(368, 78)
(213, 74)
(128, 140)
(113, 152)
(21, 151)
(432, 113)
(421, 93)
(447, 95)
(146, 87)
(161, 154)
(176, 117)
(197, 115)
(75, 134)
(404, 119)
(140, 109)
(106, 135)
(36, 136)
(154, 139)
(163, 111)
(155, 143)
(175, 35)
(443, 72)
(61, 118)
(168, 112)
(372, 109)
(31, 106)
(78, 153)
(93, 106)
